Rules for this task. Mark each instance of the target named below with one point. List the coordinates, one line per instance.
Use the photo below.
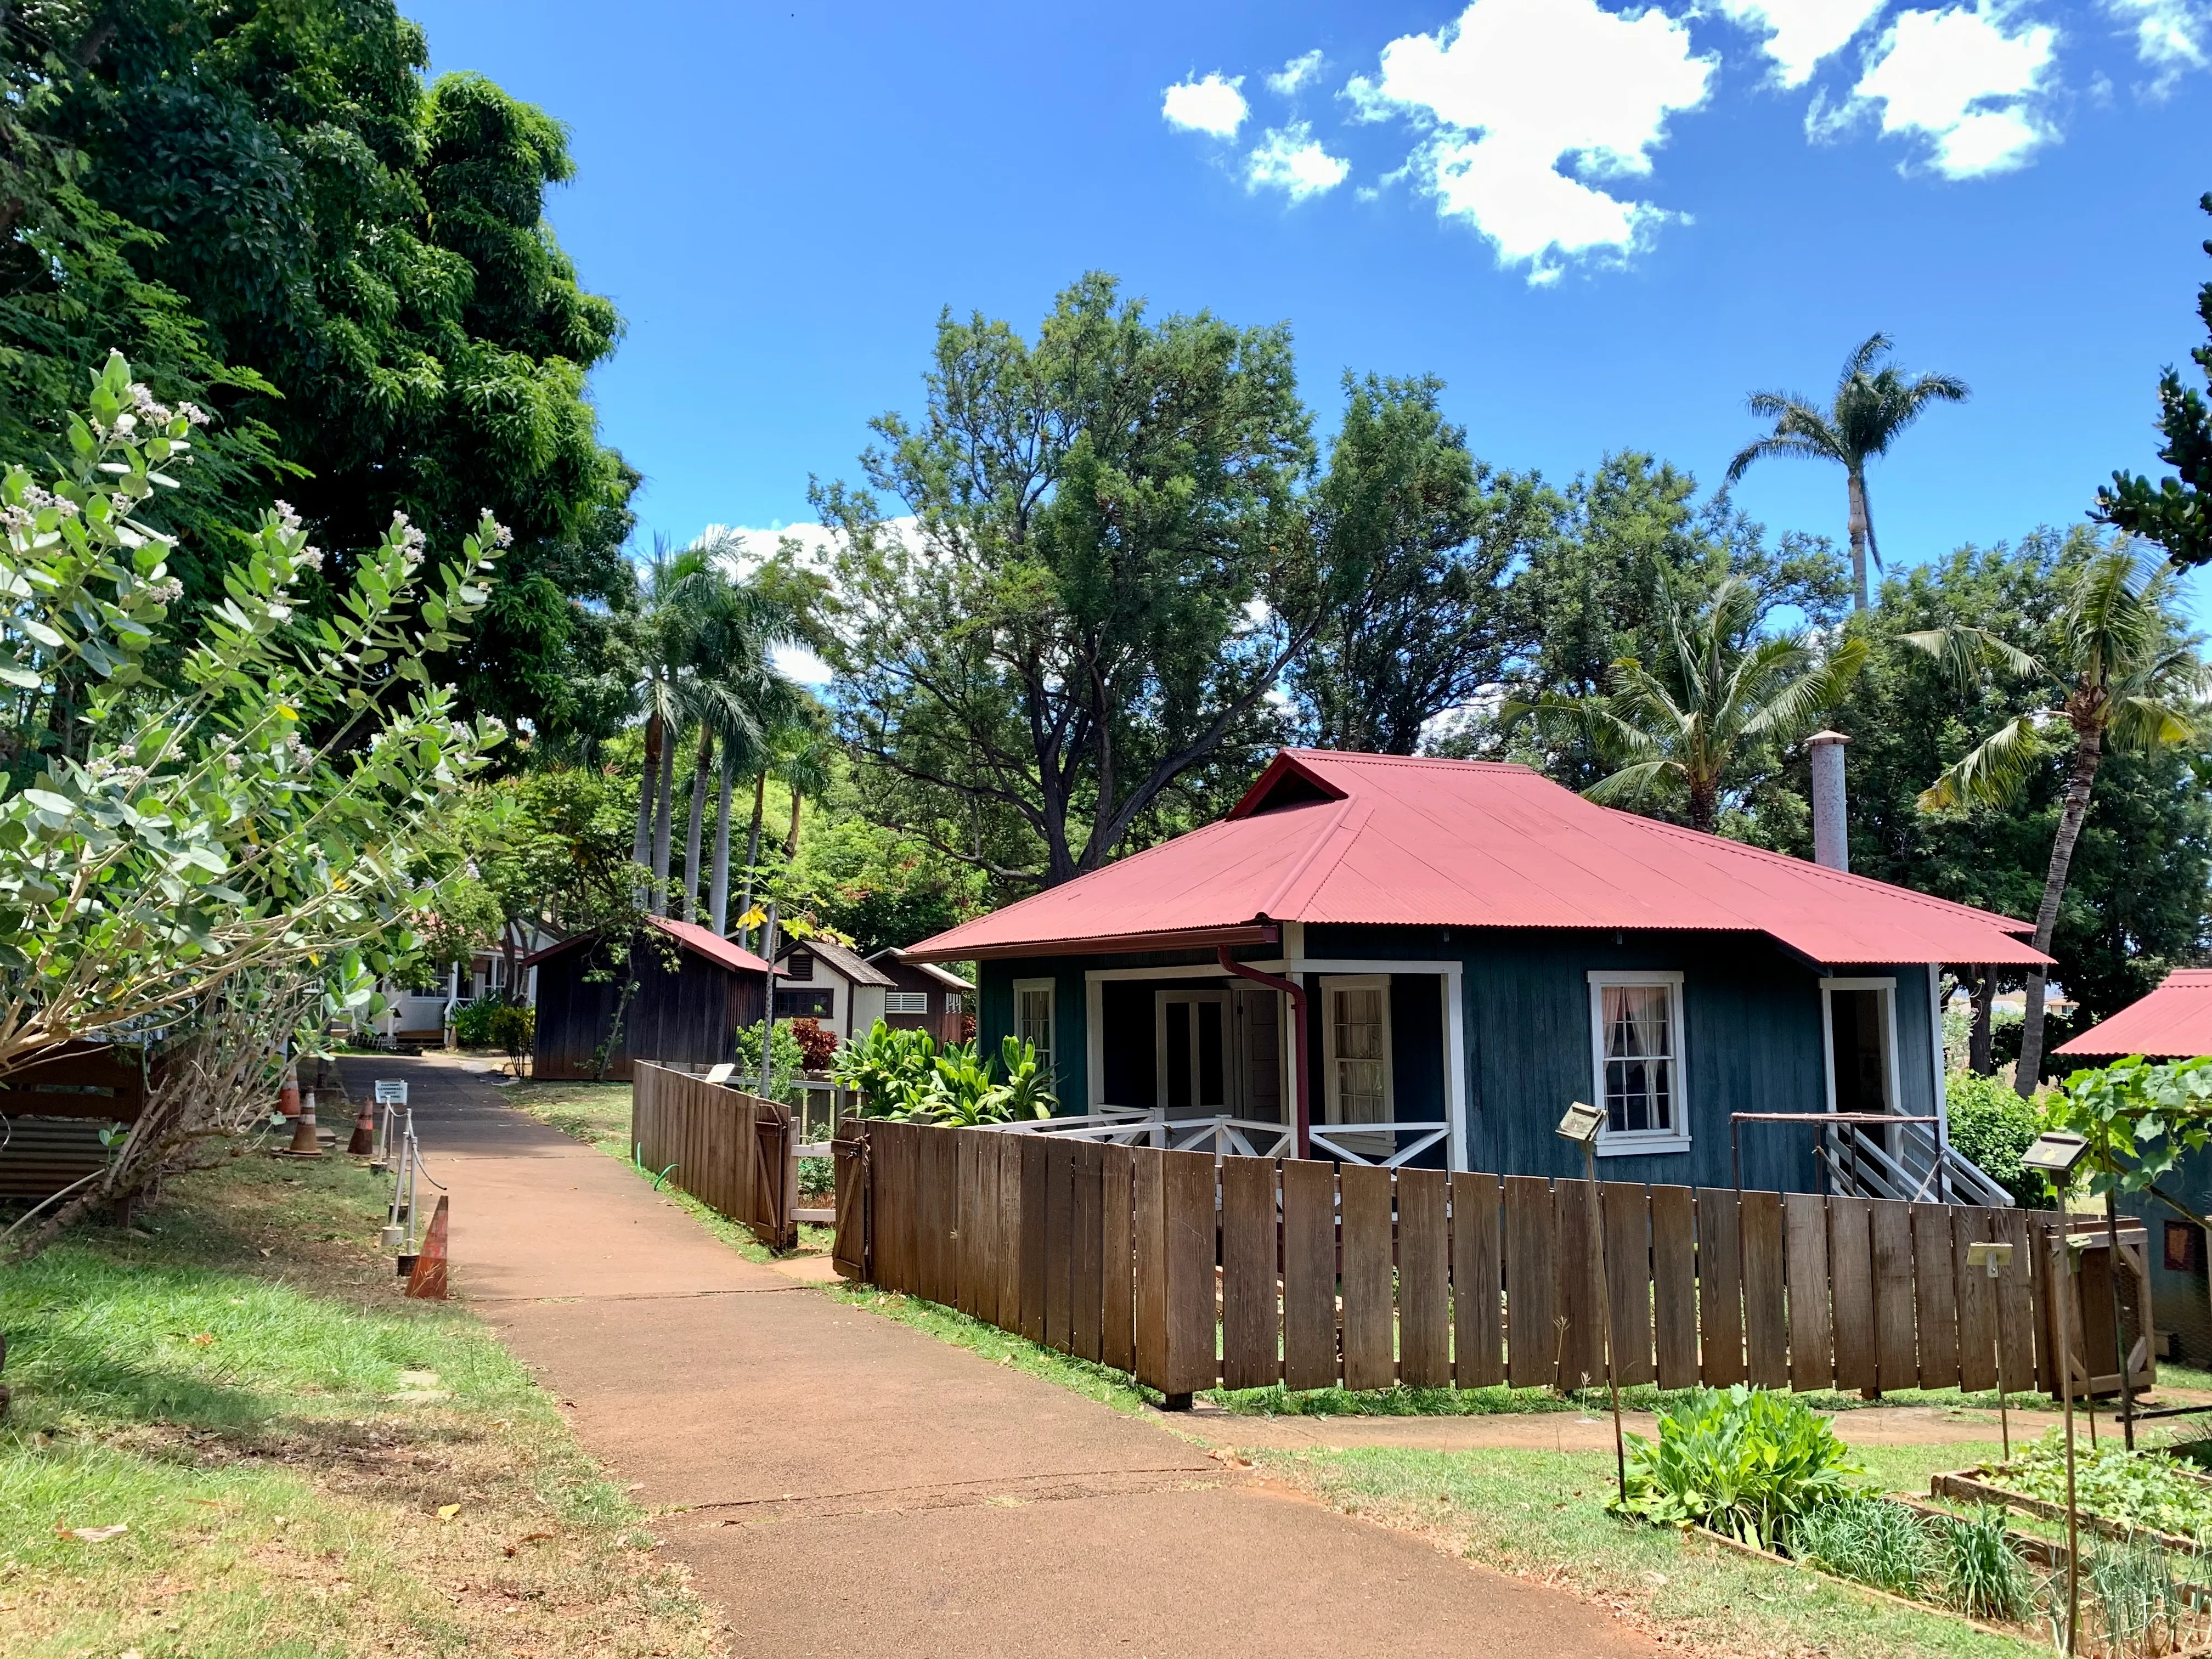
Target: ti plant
(1744, 1462)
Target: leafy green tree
(1870, 409)
(2172, 512)
(870, 881)
(1440, 534)
(375, 248)
(2122, 673)
(1078, 613)
(1719, 694)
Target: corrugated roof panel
(2174, 1022)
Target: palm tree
(2123, 675)
(1870, 407)
(1719, 691)
(805, 769)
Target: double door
(1219, 1052)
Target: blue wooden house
(1427, 960)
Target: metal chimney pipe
(1831, 844)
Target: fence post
(849, 1155)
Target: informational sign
(719, 1073)
(391, 1092)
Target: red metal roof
(703, 941)
(1330, 837)
(2174, 1022)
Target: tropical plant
(1870, 409)
(876, 1066)
(2174, 512)
(817, 1042)
(1719, 690)
(2141, 1119)
(1028, 1087)
(787, 1060)
(1746, 1462)
(1869, 1539)
(905, 1074)
(2124, 674)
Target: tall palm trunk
(752, 851)
(655, 736)
(1859, 525)
(719, 903)
(661, 827)
(689, 909)
(1705, 802)
(2088, 751)
(1981, 1057)
(791, 840)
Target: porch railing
(1237, 1137)
(1915, 1166)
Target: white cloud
(1516, 86)
(1800, 34)
(2171, 36)
(1288, 158)
(1210, 105)
(1296, 73)
(1960, 78)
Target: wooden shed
(693, 991)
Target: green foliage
(2140, 1117)
(1992, 1126)
(817, 1044)
(275, 185)
(786, 1060)
(2139, 1604)
(2138, 1489)
(905, 1074)
(1982, 1574)
(472, 1021)
(2171, 513)
(1869, 1539)
(1747, 1462)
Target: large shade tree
(2119, 673)
(2172, 512)
(1873, 405)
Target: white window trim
(1888, 1005)
(1051, 989)
(1641, 1143)
(1332, 1106)
(1229, 1079)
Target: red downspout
(1296, 992)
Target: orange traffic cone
(304, 1143)
(364, 1132)
(288, 1098)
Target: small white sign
(391, 1092)
(719, 1073)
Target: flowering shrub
(817, 1045)
(164, 836)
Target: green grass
(1542, 1514)
(597, 1113)
(239, 1383)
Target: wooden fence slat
(1580, 1340)
(1423, 1281)
(1478, 1314)
(1309, 1274)
(1248, 1329)
(1085, 1281)
(1628, 1277)
(1719, 1287)
(945, 1214)
(2042, 1223)
(1977, 1295)
(1812, 1318)
(1368, 1362)
(968, 1226)
(1035, 1150)
(1117, 1261)
(1935, 1296)
(1005, 1171)
(1674, 1286)
(1850, 1280)
(2015, 1302)
(1896, 1341)
(1059, 1239)
(1148, 1203)
(1191, 1236)
(1765, 1299)
(886, 1197)
(1531, 1283)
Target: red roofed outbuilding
(2174, 1022)
(690, 992)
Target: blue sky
(1601, 227)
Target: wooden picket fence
(1314, 1275)
(733, 1152)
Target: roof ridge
(1310, 865)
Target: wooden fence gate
(733, 1152)
(1313, 1275)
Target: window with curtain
(1033, 1018)
(1637, 1039)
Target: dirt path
(841, 1484)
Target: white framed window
(1858, 1018)
(1636, 1059)
(1192, 1063)
(1033, 1018)
(1356, 1048)
(906, 1002)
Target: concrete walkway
(842, 1484)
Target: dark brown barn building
(696, 990)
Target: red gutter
(1296, 992)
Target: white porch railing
(1921, 1168)
(1238, 1137)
